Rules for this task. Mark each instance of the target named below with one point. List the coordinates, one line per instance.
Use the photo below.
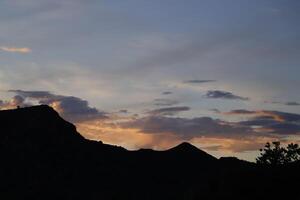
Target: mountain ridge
(44, 157)
(45, 111)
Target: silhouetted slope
(44, 157)
(188, 150)
(37, 124)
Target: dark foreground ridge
(44, 157)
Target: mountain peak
(45, 109)
(41, 124)
(185, 147)
(190, 152)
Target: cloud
(134, 138)
(282, 116)
(270, 122)
(240, 112)
(17, 100)
(34, 94)
(160, 129)
(285, 128)
(169, 110)
(23, 50)
(218, 135)
(267, 114)
(187, 128)
(166, 93)
(264, 124)
(232, 145)
(292, 103)
(193, 48)
(271, 126)
(14, 102)
(163, 132)
(165, 102)
(215, 110)
(278, 116)
(289, 103)
(70, 107)
(198, 81)
(218, 94)
(124, 111)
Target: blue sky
(123, 55)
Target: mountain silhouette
(186, 147)
(44, 157)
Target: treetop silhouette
(275, 154)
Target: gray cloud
(198, 81)
(285, 128)
(240, 112)
(271, 126)
(70, 107)
(262, 122)
(169, 110)
(14, 102)
(34, 94)
(289, 103)
(281, 116)
(215, 110)
(213, 148)
(166, 93)
(124, 111)
(18, 100)
(265, 123)
(165, 102)
(292, 103)
(188, 128)
(274, 122)
(218, 94)
(267, 114)
(195, 48)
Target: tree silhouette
(293, 152)
(274, 154)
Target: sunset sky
(223, 75)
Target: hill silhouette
(44, 157)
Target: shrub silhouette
(274, 154)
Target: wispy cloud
(288, 103)
(72, 108)
(166, 93)
(218, 94)
(292, 103)
(169, 110)
(165, 102)
(188, 128)
(198, 81)
(13, 103)
(240, 112)
(267, 114)
(23, 50)
(270, 121)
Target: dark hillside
(44, 157)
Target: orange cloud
(275, 115)
(131, 138)
(232, 145)
(15, 49)
(13, 103)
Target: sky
(222, 75)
